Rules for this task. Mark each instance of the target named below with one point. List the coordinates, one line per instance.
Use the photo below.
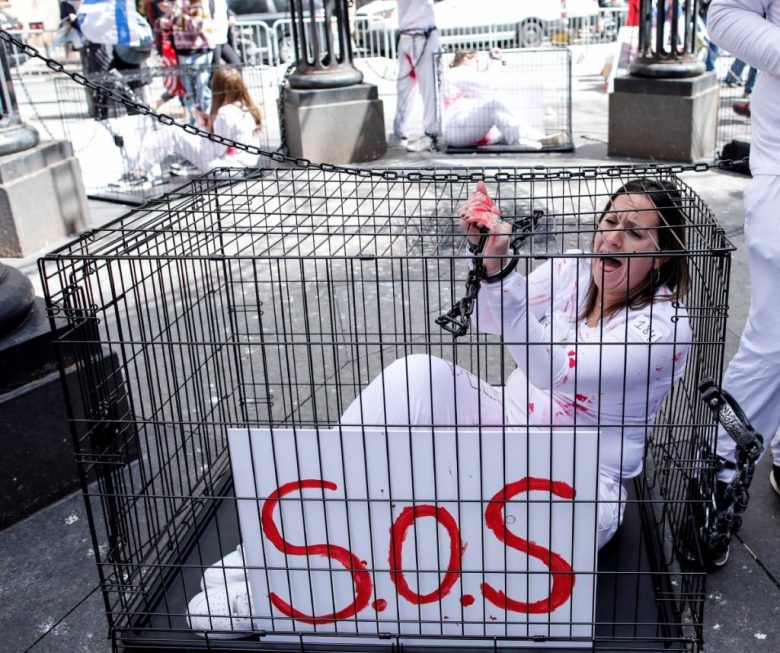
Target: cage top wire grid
(313, 213)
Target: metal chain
(729, 508)
(458, 319)
(415, 176)
(280, 108)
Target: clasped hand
(479, 213)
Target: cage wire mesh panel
(262, 309)
(126, 156)
(513, 101)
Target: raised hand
(479, 215)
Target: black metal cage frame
(270, 302)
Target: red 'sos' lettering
(397, 538)
(360, 576)
(562, 576)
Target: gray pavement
(46, 565)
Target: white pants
(470, 123)
(753, 376)
(424, 390)
(416, 70)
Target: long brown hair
(673, 272)
(227, 87)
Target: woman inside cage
(598, 339)
(474, 115)
(233, 114)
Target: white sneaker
(224, 612)
(424, 144)
(555, 140)
(529, 143)
(231, 569)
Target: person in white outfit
(418, 42)
(574, 308)
(233, 114)
(598, 340)
(750, 30)
(474, 113)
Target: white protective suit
(613, 375)
(417, 44)
(232, 121)
(750, 30)
(474, 114)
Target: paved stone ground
(46, 565)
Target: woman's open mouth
(610, 263)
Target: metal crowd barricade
(106, 136)
(243, 316)
(532, 86)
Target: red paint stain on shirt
(379, 605)
(572, 358)
(466, 600)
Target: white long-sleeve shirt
(614, 375)
(739, 26)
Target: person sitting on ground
(580, 306)
(474, 116)
(233, 115)
(599, 339)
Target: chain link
(373, 173)
(458, 319)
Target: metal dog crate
(270, 303)
(534, 83)
(100, 128)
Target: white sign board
(419, 532)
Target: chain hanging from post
(458, 319)
(729, 507)
(563, 174)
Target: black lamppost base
(660, 69)
(16, 298)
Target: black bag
(736, 150)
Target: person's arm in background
(739, 27)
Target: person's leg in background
(406, 85)
(753, 375)
(734, 76)
(426, 73)
(751, 80)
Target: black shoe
(774, 479)
(718, 549)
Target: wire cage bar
(270, 304)
(108, 136)
(505, 101)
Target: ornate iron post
(327, 90)
(323, 50)
(667, 39)
(666, 108)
